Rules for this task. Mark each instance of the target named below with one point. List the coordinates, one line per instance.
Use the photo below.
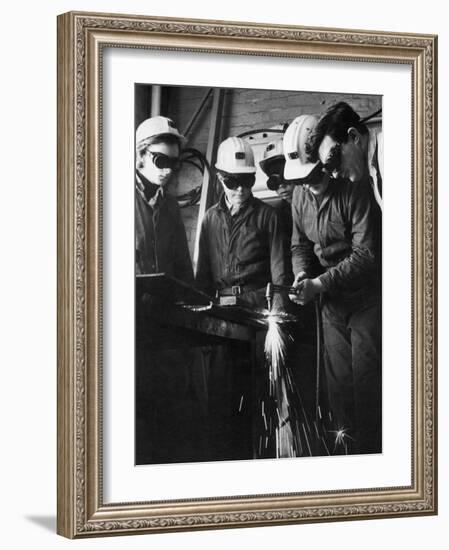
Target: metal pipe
(282, 288)
(197, 113)
(156, 99)
(318, 359)
(269, 292)
(212, 146)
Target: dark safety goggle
(314, 177)
(241, 180)
(162, 161)
(275, 181)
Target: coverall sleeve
(278, 263)
(364, 261)
(303, 255)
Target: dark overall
(343, 231)
(167, 411)
(244, 250)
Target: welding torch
(272, 289)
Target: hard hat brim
(264, 163)
(158, 127)
(237, 170)
(294, 169)
(181, 138)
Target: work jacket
(343, 232)
(246, 249)
(161, 242)
(284, 211)
(375, 163)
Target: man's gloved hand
(296, 284)
(307, 289)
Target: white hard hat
(274, 150)
(235, 156)
(157, 126)
(297, 166)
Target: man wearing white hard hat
(241, 242)
(345, 147)
(336, 255)
(301, 350)
(272, 164)
(164, 406)
(241, 250)
(161, 243)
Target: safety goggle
(162, 161)
(275, 181)
(242, 180)
(314, 177)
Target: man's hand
(298, 280)
(307, 289)
(300, 277)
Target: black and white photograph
(258, 274)
(246, 314)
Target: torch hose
(318, 360)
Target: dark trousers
(170, 416)
(352, 332)
(230, 402)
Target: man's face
(343, 160)
(276, 181)
(285, 191)
(156, 155)
(237, 196)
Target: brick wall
(252, 108)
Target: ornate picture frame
(82, 510)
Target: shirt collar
(149, 191)
(233, 211)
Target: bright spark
(284, 429)
(341, 437)
(241, 403)
(275, 345)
